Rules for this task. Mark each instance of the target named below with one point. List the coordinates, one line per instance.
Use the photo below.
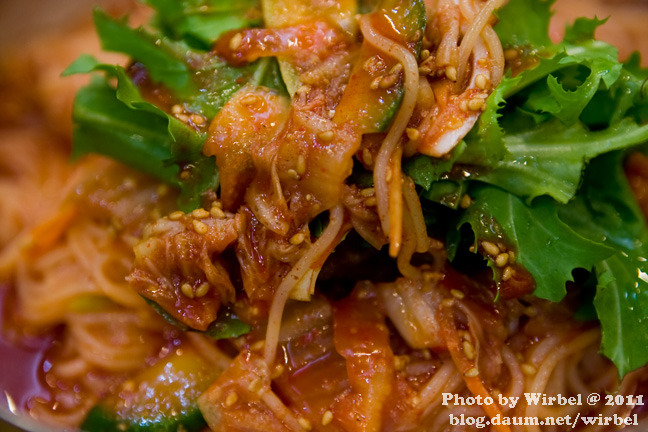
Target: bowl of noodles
(390, 215)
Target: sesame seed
(427, 355)
(481, 81)
(457, 294)
(200, 213)
(531, 311)
(388, 81)
(235, 42)
(162, 190)
(250, 99)
(182, 117)
(472, 373)
(304, 89)
(217, 212)
(258, 345)
(490, 248)
(388, 175)
(202, 290)
(301, 164)
(425, 70)
(199, 227)
(464, 105)
(368, 192)
(304, 423)
(297, 238)
(326, 136)
(451, 73)
(528, 369)
(176, 215)
(255, 385)
(430, 276)
(400, 362)
(327, 418)
(413, 134)
(502, 259)
(366, 156)
(371, 202)
(476, 104)
(187, 290)
(292, 173)
(508, 273)
(447, 302)
(465, 201)
(177, 109)
(397, 68)
(375, 83)
(511, 256)
(309, 197)
(369, 64)
(129, 385)
(511, 54)
(231, 399)
(278, 370)
(197, 119)
(415, 400)
(469, 350)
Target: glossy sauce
(22, 362)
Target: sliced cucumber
(162, 398)
(283, 13)
(371, 107)
(227, 325)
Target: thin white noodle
(516, 385)
(547, 366)
(494, 46)
(410, 70)
(416, 215)
(470, 38)
(446, 379)
(408, 247)
(305, 263)
(542, 350)
(467, 9)
(281, 411)
(446, 54)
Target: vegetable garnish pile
(543, 167)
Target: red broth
(21, 360)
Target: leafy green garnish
(543, 167)
(425, 170)
(116, 120)
(532, 31)
(201, 22)
(549, 159)
(547, 247)
(605, 209)
(163, 66)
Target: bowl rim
(24, 421)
